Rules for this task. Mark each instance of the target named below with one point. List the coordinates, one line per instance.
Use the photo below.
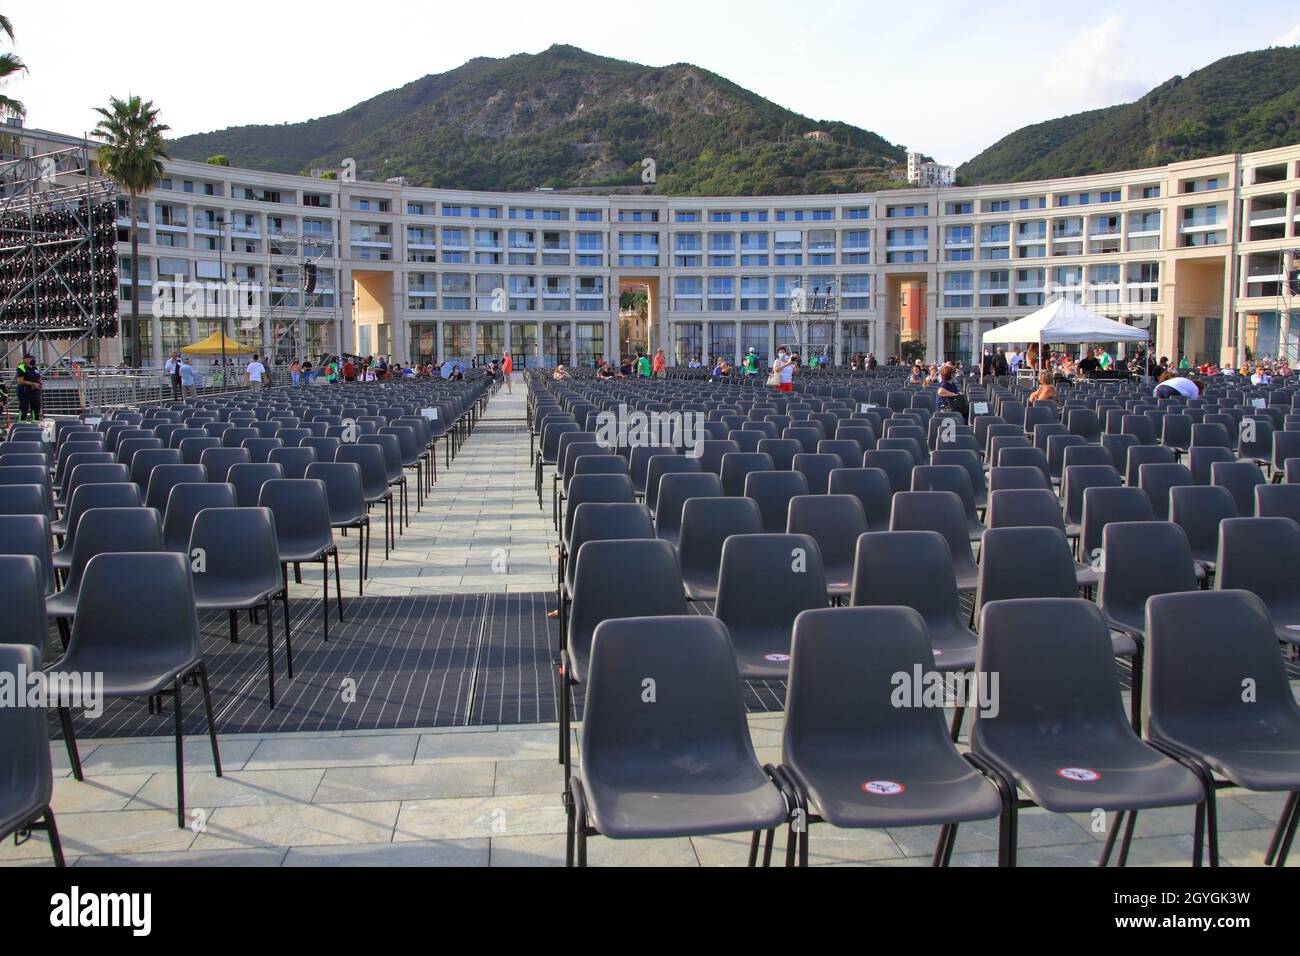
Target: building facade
(1200, 253)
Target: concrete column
(539, 348)
(738, 351)
(473, 338)
(705, 343)
(439, 353)
(573, 343)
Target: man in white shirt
(1179, 385)
(256, 372)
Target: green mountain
(565, 118)
(1238, 104)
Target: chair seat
(839, 579)
(1251, 762)
(1118, 774)
(61, 604)
(227, 596)
(1086, 575)
(762, 653)
(684, 804)
(124, 677)
(937, 787)
(954, 645)
(293, 551)
(700, 585)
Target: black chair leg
(207, 709)
(1128, 836)
(958, 712)
(288, 646)
(768, 840)
(1284, 832)
(234, 627)
(325, 594)
(70, 741)
(338, 584)
(270, 657)
(62, 624)
(1110, 839)
(753, 848)
(56, 845)
(180, 752)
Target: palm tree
(132, 155)
(10, 65)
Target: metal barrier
(73, 392)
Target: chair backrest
(1202, 459)
(1198, 509)
(1176, 431)
(895, 463)
(736, 466)
(147, 459)
(1102, 505)
(29, 535)
(1286, 444)
(240, 550)
(1025, 562)
(939, 511)
(1202, 648)
(609, 521)
(782, 451)
(746, 440)
(1142, 558)
(1261, 555)
(259, 449)
(613, 489)
(1025, 508)
(952, 478)
(344, 490)
(1002, 477)
(834, 521)
(1139, 455)
(706, 524)
(1056, 674)
(1277, 501)
(765, 581)
(1210, 433)
(219, 461)
(30, 499)
(292, 461)
(248, 478)
(660, 465)
(1240, 478)
(302, 512)
(620, 579)
(373, 464)
(1118, 445)
(691, 661)
(908, 568)
(22, 595)
(711, 452)
(1157, 480)
(112, 530)
(1086, 454)
(186, 500)
(816, 468)
(772, 491)
(674, 491)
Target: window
(856, 292)
(687, 215)
(858, 212)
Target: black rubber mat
(396, 662)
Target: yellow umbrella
(212, 346)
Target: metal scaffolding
(291, 257)
(815, 317)
(51, 205)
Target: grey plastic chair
(1103, 505)
(817, 468)
(782, 451)
(1204, 647)
(1139, 455)
(25, 764)
(895, 463)
(599, 521)
(374, 482)
(674, 491)
(122, 494)
(840, 720)
(942, 512)
(772, 491)
(1198, 509)
(613, 579)
(1278, 501)
(1262, 555)
(765, 581)
(30, 499)
(660, 465)
(834, 522)
(706, 524)
(303, 533)
(241, 571)
(952, 478)
(186, 500)
(914, 569)
(735, 467)
(1142, 559)
(152, 659)
(1202, 459)
(1241, 478)
(640, 777)
(1157, 480)
(1060, 735)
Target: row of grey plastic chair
(1050, 655)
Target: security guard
(28, 379)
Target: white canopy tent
(1064, 321)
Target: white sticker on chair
(1078, 774)
(883, 788)
(776, 658)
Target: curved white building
(1200, 252)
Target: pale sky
(944, 77)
